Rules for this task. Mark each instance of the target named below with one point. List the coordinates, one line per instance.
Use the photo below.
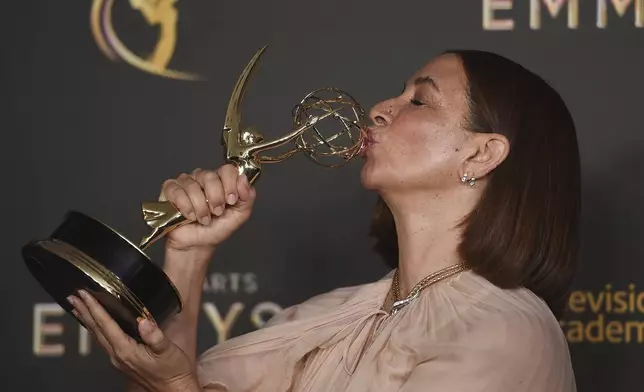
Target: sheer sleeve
(510, 353)
(267, 359)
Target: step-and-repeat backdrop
(108, 98)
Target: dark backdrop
(89, 132)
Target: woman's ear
(488, 151)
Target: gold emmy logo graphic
(160, 13)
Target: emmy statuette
(84, 253)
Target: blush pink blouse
(462, 334)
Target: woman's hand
(158, 366)
(219, 201)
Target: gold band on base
(101, 276)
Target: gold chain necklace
(423, 284)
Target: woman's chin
(368, 177)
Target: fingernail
(232, 198)
(146, 326)
(205, 220)
(219, 210)
(70, 299)
(192, 216)
(82, 293)
(75, 313)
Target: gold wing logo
(156, 12)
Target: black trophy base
(83, 253)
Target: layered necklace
(423, 284)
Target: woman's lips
(367, 141)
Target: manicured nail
(219, 210)
(205, 220)
(232, 199)
(82, 293)
(70, 299)
(146, 326)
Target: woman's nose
(382, 113)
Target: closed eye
(416, 102)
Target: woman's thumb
(246, 192)
(153, 336)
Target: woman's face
(418, 140)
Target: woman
(477, 168)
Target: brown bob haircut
(524, 231)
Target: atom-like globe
(337, 139)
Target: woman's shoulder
(314, 305)
(488, 337)
(476, 292)
(508, 317)
(355, 296)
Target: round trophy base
(83, 253)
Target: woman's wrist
(190, 258)
(187, 384)
(187, 268)
(191, 252)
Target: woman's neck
(428, 234)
